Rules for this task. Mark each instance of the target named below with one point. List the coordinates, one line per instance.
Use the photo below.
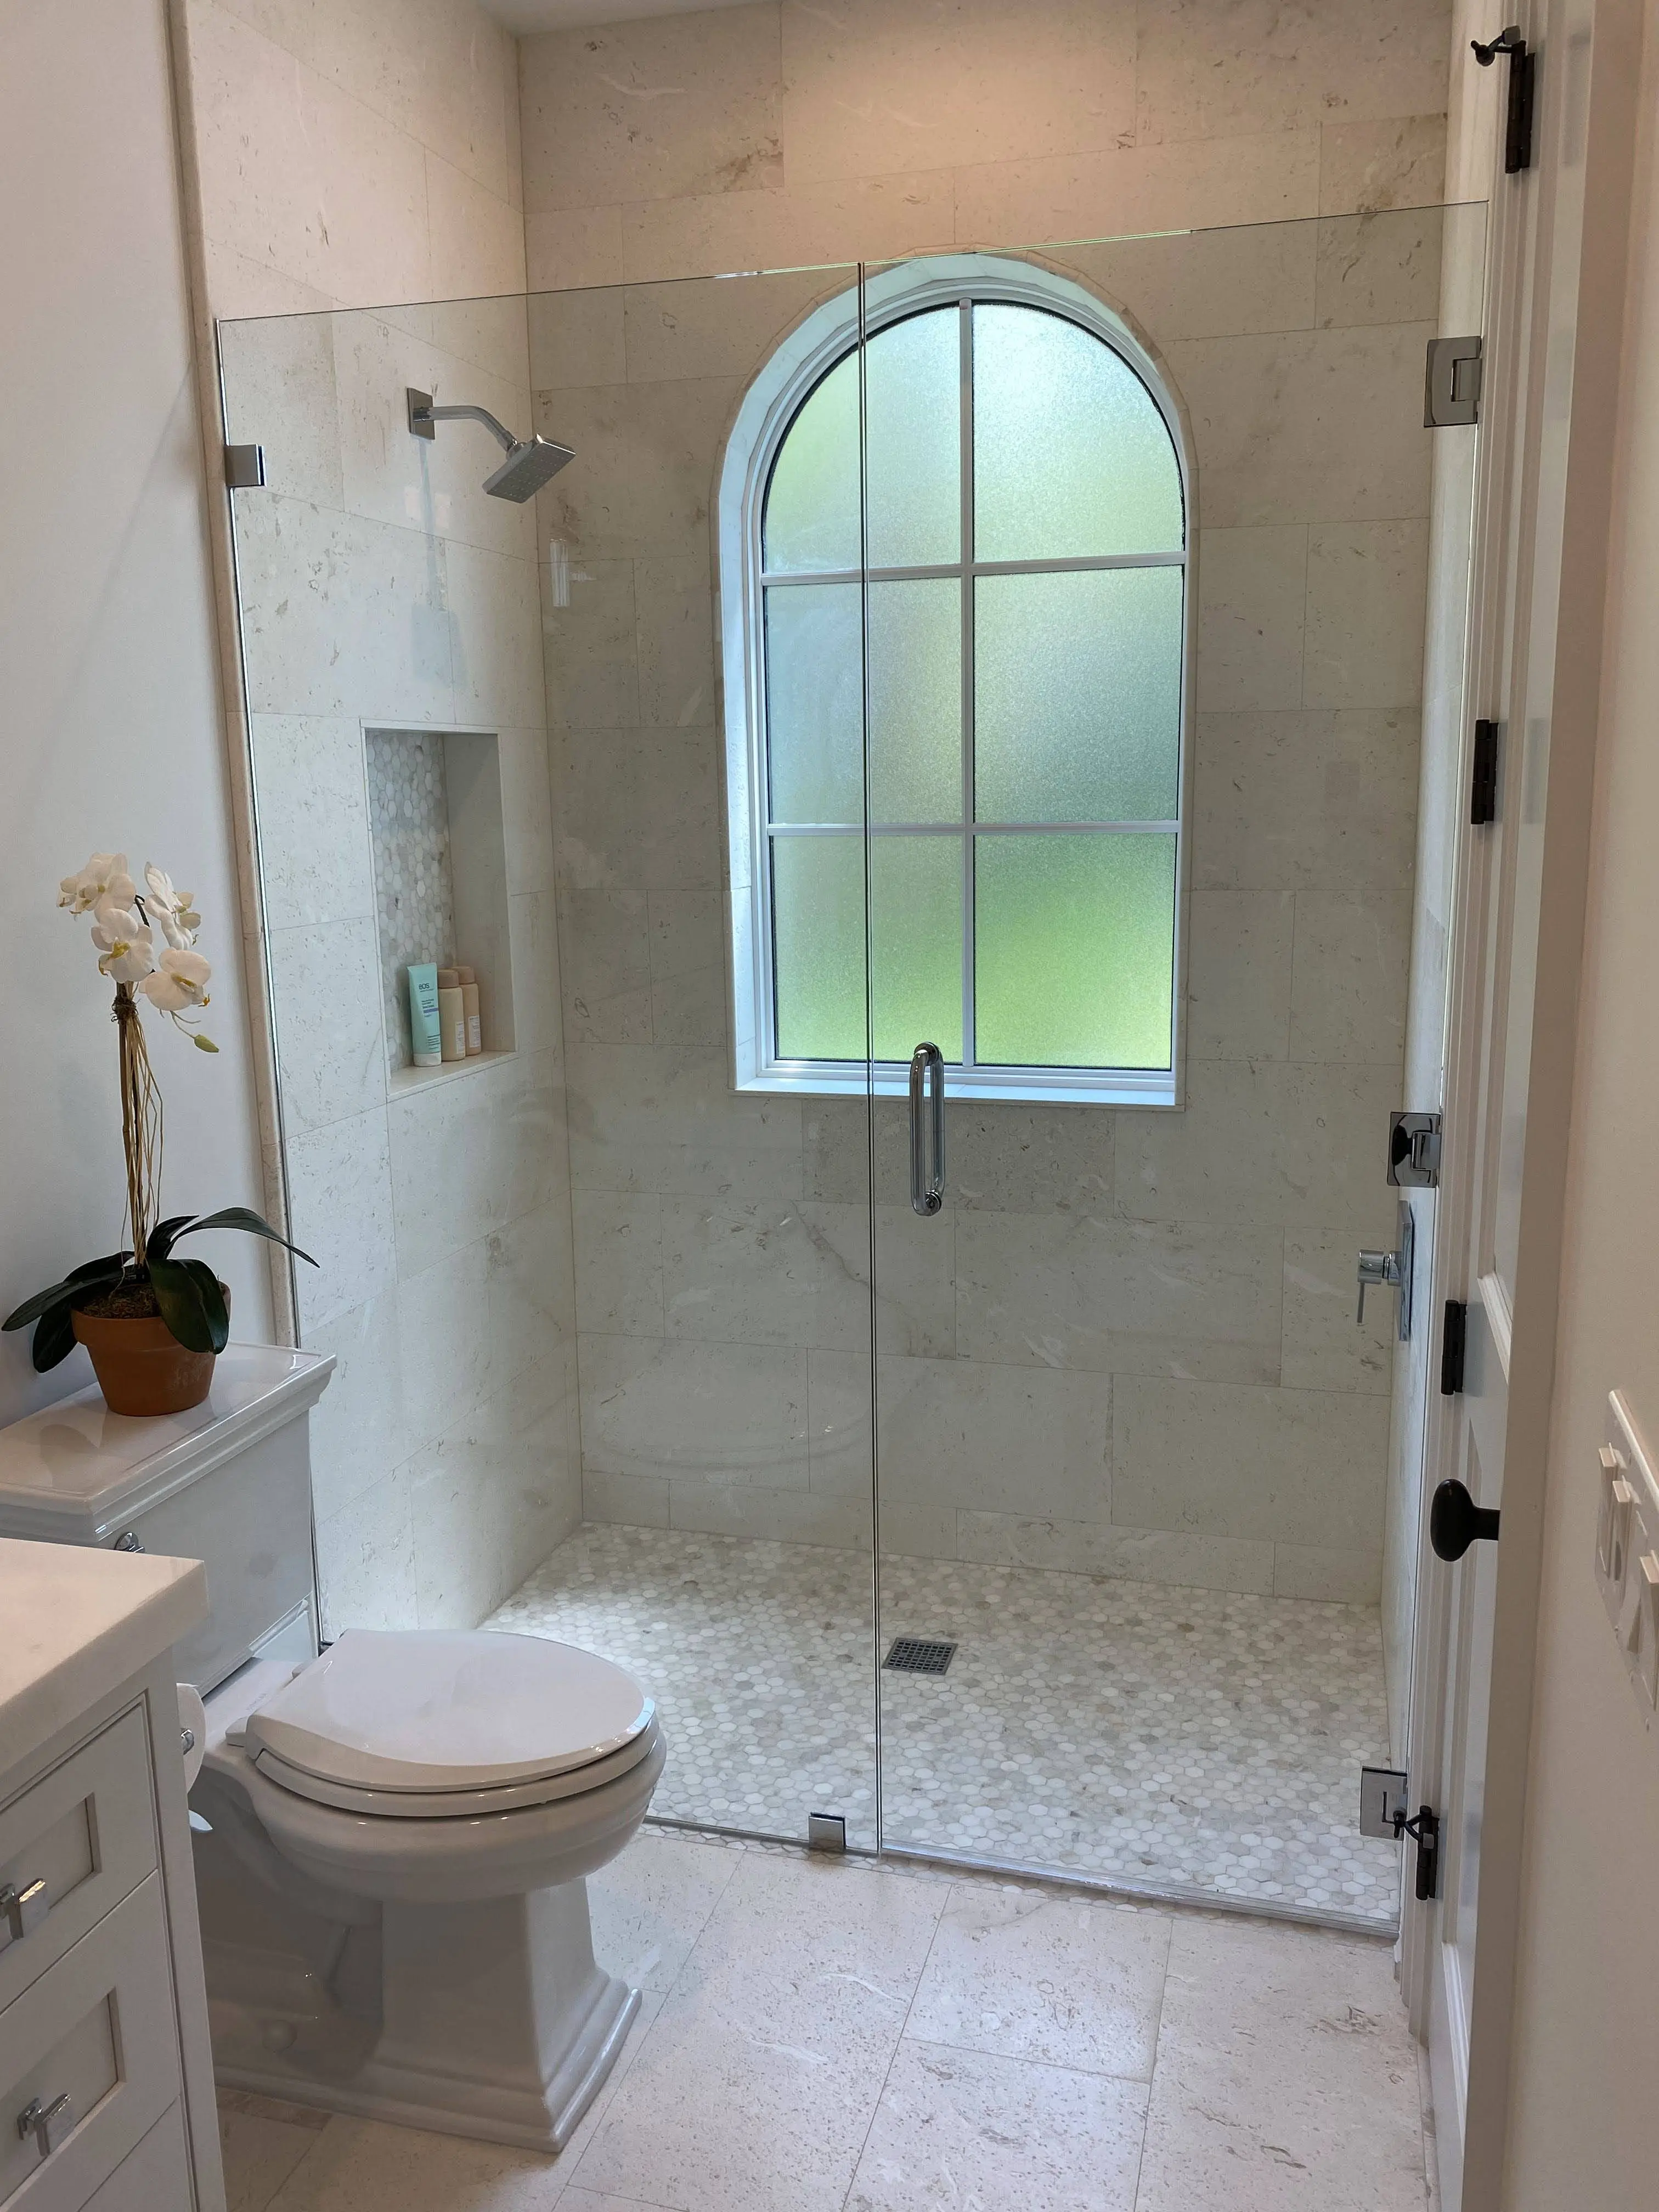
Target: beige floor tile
(1021, 1975)
(263, 2141)
(650, 1905)
(360, 2165)
(753, 2090)
(584, 2200)
(1286, 2077)
(957, 2129)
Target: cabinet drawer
(154, 2177)
(98, 2027)
(86, 1830)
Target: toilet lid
(437, 1710)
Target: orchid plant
(171, 976)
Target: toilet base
(495, 2023)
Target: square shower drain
(919, 1655)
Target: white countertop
(75, 1623)
(74, 1473)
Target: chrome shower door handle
(926, 1132)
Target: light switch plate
(1628, 1552)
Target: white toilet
(392, 1837)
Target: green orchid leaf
(179, 1294)
(54, 1337)
(159, 1241)
(244, 1218)
(90, 1275)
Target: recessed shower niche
(439, 860)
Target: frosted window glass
(915, 943)
(1071, 455)
(815, 702)
(913, 410)
(817, 901)
(1074, 951)
(1077, 681)
(813, 500)
(915, 701)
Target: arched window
(963, 639)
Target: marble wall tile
(1138, 1555)
(810, 226)
(359, 1426)
(1252, 592)
(240, 286)
(1328, 1573)
(699, 329)
(631, 1102)
(533, 935)
(280, 392)
(1325, 1348)
(1009, 1159)
(336, 194)
(840, 1411)
(1268, 178)
(767, 1516)
(325, 992)
(573, 247)
(1398, 161)
(536, 1435)
(1348, 1001)
(642, 478)
(917, 1532)
(728, 1412)
(837, 1134)
(341, 1211)
(1383, 267)
(637, 806)
(688, 986)
(1263, 1141)
(1230, 1460)
(915, 1273)
(475, 238)
(1263, 65)
(1034, 1440)
(638, 1501)
(604, 943)
(526, 808)
(896, 84)
(445, 1161)
(530, 1135)
(495, 609)
(619, 1271)
(366, 1559)
(765, 1273)
(1307, 425)
(654, 110)
(1118, 1296)
(1321, 800)
(591, 651)
(457, 1509)
(674, 614)
(690, 1009)
(530, 1284)
(444, 1347)
(1367, 590)
(1238, 974)
(576, 338)
(1248, 277)
(341, 617)
(313, 819)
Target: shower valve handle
(1375, 1268)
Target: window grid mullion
(965, 550)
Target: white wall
(1586, 2052)
(112, 733)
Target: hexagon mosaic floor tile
(1182, 1738)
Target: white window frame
(763, 419)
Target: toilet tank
(227, 1483)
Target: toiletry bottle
(452, 1014)
(423, 1014)
(469, 1001)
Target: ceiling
(528, 16)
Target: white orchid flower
(178, 980)
(104, 877)
(174, 909)
(125, 946)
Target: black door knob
(1455, 1522)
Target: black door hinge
(1483, 776)
(1424, 1833)
(1517, 119)
(1453, 1333)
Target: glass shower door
(1141, 1539)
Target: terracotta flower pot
(142, 1367)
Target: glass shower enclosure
(927, 794)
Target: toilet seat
(415, 1723)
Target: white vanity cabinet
(105, 2075)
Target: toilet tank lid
(440, 1709)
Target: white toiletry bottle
(469, 1001)
(452, 1014)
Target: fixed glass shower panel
(1145, 591)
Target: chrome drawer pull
(47, 2123)
(24, 1909)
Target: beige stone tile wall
(1127, 1345)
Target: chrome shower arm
(423, 415)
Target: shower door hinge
(1414, 1150)
(1517, 114)
(1451, 383)
(1483, 775)
(245, 468)
(1453, 1336)
(826, 1831)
